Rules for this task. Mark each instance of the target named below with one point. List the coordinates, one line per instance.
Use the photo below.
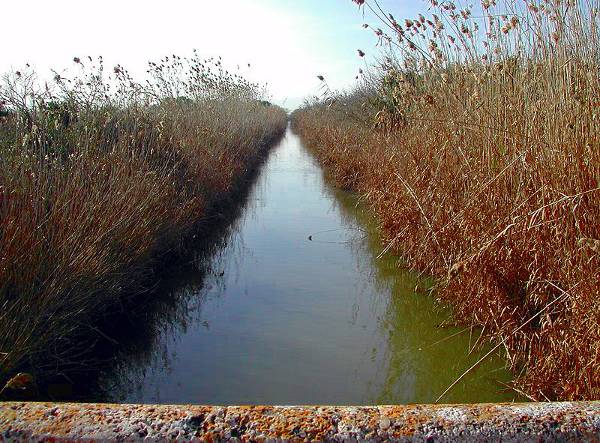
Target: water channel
(296, 306)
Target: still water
(296, 306)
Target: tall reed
(100, 176)
(476, 142)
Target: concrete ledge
(99, 422)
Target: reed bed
(100, 177)
(475, 140)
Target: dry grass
(476, 142)
(98, 178)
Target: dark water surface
(272, 317)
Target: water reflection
(142, 336)
(292, 306)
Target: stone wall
(105, 422)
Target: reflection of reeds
(97, 178)
(476, 143)
(150, 323)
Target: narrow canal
(298, 307)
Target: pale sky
(287, 42)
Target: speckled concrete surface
(487, 422)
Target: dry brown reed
(476, 143)
(99, 176)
